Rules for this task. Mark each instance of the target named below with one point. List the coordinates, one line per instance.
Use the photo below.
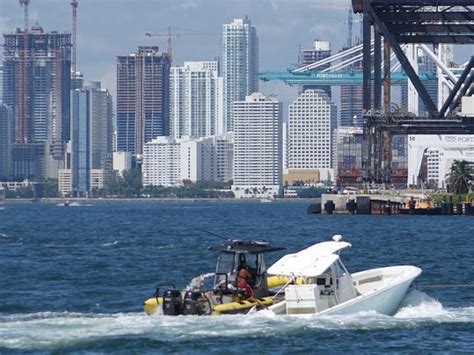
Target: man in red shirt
(242, 276)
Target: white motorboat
(318, 283)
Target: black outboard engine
(191, 304)
(171, 302)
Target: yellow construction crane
(170, 35)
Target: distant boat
(419, 206)
(63, 204)
(265, 200)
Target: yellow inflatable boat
(223, 297)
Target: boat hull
(383, 300)
(421, 211)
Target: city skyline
(280, 24)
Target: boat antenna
(215, 235)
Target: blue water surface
(73, 279)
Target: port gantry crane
(402, 22)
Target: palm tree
(460, 176)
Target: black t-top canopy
(247, 247)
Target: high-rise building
(168, 161)
(77, 82)
(224, 150)
(6, 137)
(312, 118)
(36, 85)
(91, 139)
(239, 65)
(351, 106)
(257, 147)
(142, 98)
(285, 145)
(195, 100)
(1, 83)
(161, 162)
(321, 50)
(351, 101)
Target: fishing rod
(215, 235)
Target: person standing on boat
(243, 275)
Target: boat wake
(51, 330)
(115, 242)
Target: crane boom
(170, 35)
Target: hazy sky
(107, 28)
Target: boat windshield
(225, 266)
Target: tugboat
(419, 206)
(224, 297)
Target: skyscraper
(351, 101)
(239, 65)
(320, 51)
(195, 100)
(6, 130)
(257, 147)
(312, 118)
(1, 83)
(142, 98)
(91, 139)
(36, 85)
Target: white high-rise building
(198, 160)
(161, 163)
(196, 99)
(239, 64)
(168, 161)
(285, 145)
(312, 118)
(257, 147)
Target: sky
(107, 28)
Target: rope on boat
(445, 286)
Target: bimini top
(247, 247)
(310, 262)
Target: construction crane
(74, 5)
(25, 4)
(170, 35)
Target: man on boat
(243, 275)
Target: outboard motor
(191, 304)
(171, 302)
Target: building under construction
(142, 98)
(36, 83)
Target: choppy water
(74, 279)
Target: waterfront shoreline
(155, 200)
